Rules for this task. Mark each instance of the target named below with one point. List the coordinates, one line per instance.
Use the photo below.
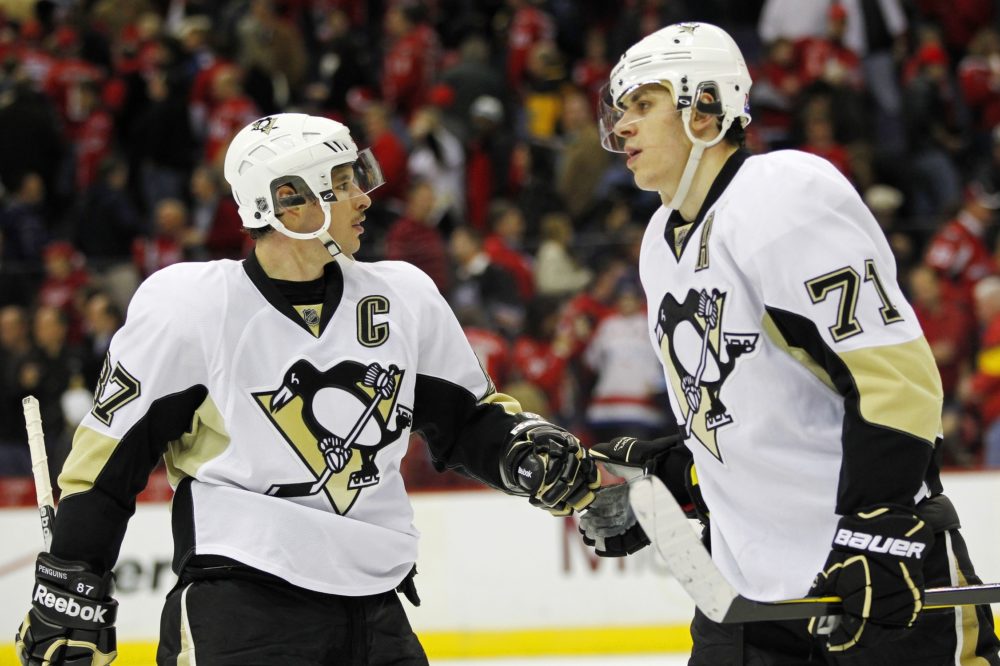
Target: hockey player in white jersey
(801, 382)
(281, 392)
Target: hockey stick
(670, 532)
(40, 467)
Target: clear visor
(611, 116)
(345, 181)
(608, 115)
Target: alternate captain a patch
(336, 420)
(699, 356)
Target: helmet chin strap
(323, 233)
(698, 147)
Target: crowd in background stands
(115, 116)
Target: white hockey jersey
(797, 368)
(282, 427)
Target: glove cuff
(69, 594)
(886, 530)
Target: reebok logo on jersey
(69, 606)
(879, 544)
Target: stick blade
(668, 528)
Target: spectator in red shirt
(215, 219)
(979, 78)
(167, 247)
(388, 148)
(92, 136)
(415, 238)
(826, 58)
(949, 330)
(232, 110)
(820, 140)
(539, 357)
(958, 251)
(492, 349)
(412, 59)
(504, 246)
(775, 93)
(529, 25)
(66, 277)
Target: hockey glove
(548, 464)
(609, 524)
(876, 567)
(72, 617)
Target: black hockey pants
(260, 620)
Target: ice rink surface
(672, 659)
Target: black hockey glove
(877, 568)
(609, 524)
(72, 617)
(548, 464)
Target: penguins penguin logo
(337, 421)
(699, 357)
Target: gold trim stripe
(487, 644)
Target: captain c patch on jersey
(699, 356)
(335, 420)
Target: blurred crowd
(115, 116)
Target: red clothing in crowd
(152, 254)
(514, 262)
(960, 255)
(409, 69)
(538, 363)
(226, 238)
(422, 246)
(819, 57)
(93, 141)
(986, 381)
(492, 350)
(62, 86)
(579, 319)
(835, 153)
(948, 324)
(528, 26)
(391, 154)
(224, 121)
(979, 81)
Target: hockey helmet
(694, 58)
(303, 151)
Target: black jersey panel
(90, 525)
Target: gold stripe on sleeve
(509, 404)
(88, 457)
(899, 387)
(205, 440)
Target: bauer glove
(72, 616)
(549, 465)
(877, 568)
(609, 524)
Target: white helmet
(693, 58)
(300, 150)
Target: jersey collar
(678, 230)
(332, 275)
